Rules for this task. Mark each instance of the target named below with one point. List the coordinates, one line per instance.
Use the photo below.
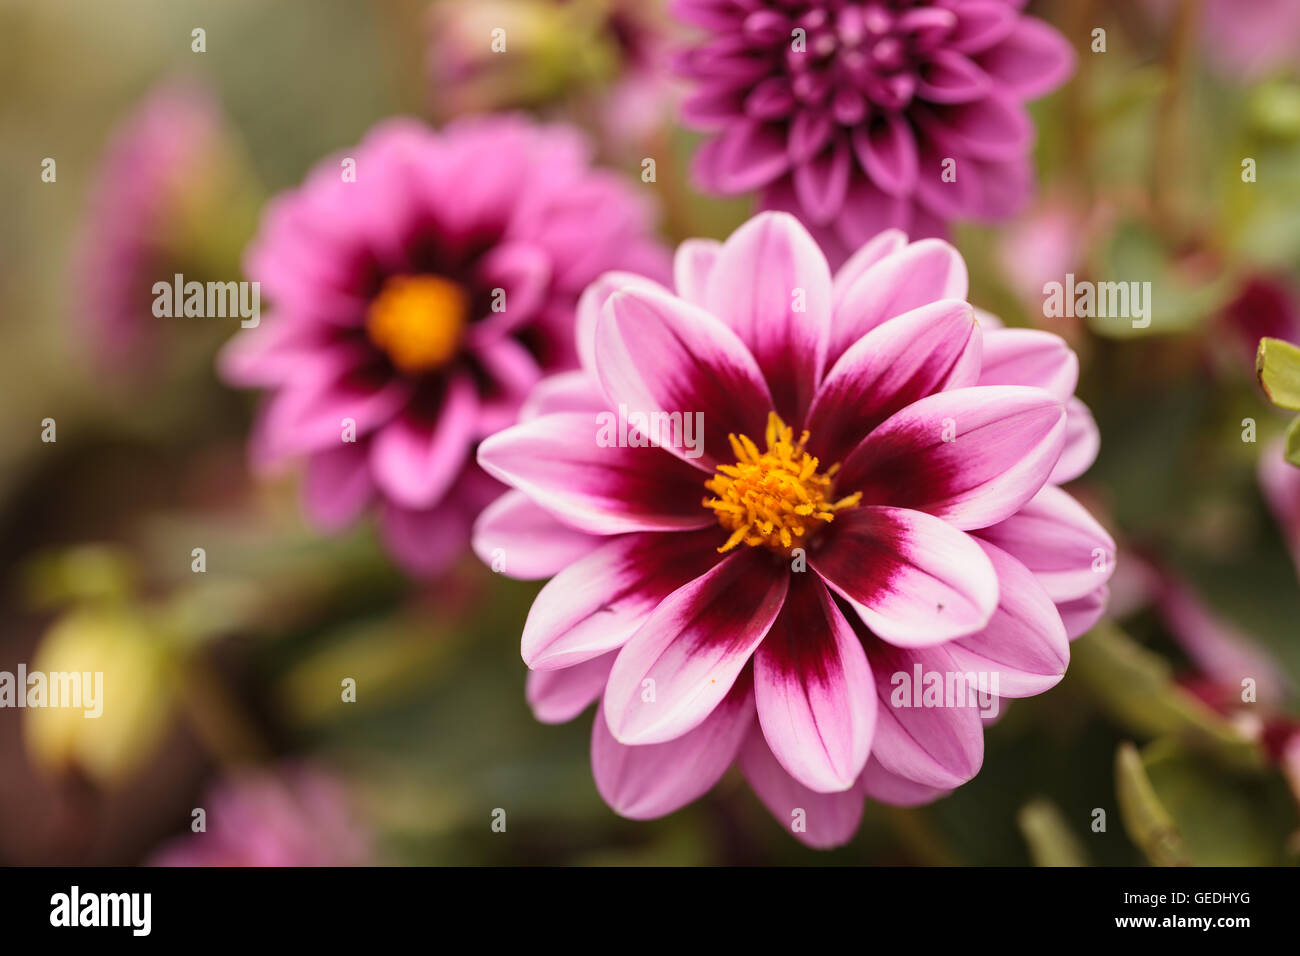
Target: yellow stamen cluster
(418, 321)
(775, 498)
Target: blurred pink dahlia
(296, 818)
(857, 115)
(872, 489)
(160, 169)
(422, 282)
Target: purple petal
(414, 460)
(688, 653)
(972, 456)
(598, 602)
(927, 350)
(821, 820)
(913, 578)
(1032, 61)
(660, 354)
(653, 780)
(558, 461)
(772, 286)
(1025, 643)
(886, 148)
(558, 696)
(816, 699)
(524, 541)
(1060, 542)
(1030, 357)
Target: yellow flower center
(776, 498)
(418, 321)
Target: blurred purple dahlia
(421, 283)
(870, 490)
(857, 115)
(297, 818)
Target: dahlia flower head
(421, 283)
(295, 817)
(859, 115)
(871, 488)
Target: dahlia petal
(653, 780)
(949, 77)
(523, 271)
(922, 273)
(338, 486)
(575, 391)
(692, 266)
(557, 696)
(425, 542)
(947, 186)
(766, 271)
(886, 148)
(659, 354)
(885, 787)
(1031, 61)
(691, 649)
(820, 820)
(1082, 614)
(1059, 541)
(1030, 357)
(929, 349)
(590, 303)
(810, 132)
(558, 461)
(1082, 443)
(971, 456)
(414, 461)
(822, 182)
(1025, 644)
(522, 540)
(937, 747)
(995, 128)
(813, 688)
(747, 155)
(981, 24)
(511, 371)
(595, 604)
(884, 244)
(912, 578)
(867, 210)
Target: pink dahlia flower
(857, 116)
(300, 818)
(415, 303)
(159, 163)
(861, 481)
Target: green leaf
(1137, 688)
(1293, 443)
(1278, 367)
(1146, 820)
(1222, 817)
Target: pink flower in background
(158, 164)
(1280, 482)
(1247, 39)
(846, 113)
(297, 818)
(873, 488)
(415, 303)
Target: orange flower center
(776, 498)
(418, 321)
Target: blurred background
(235, 672)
